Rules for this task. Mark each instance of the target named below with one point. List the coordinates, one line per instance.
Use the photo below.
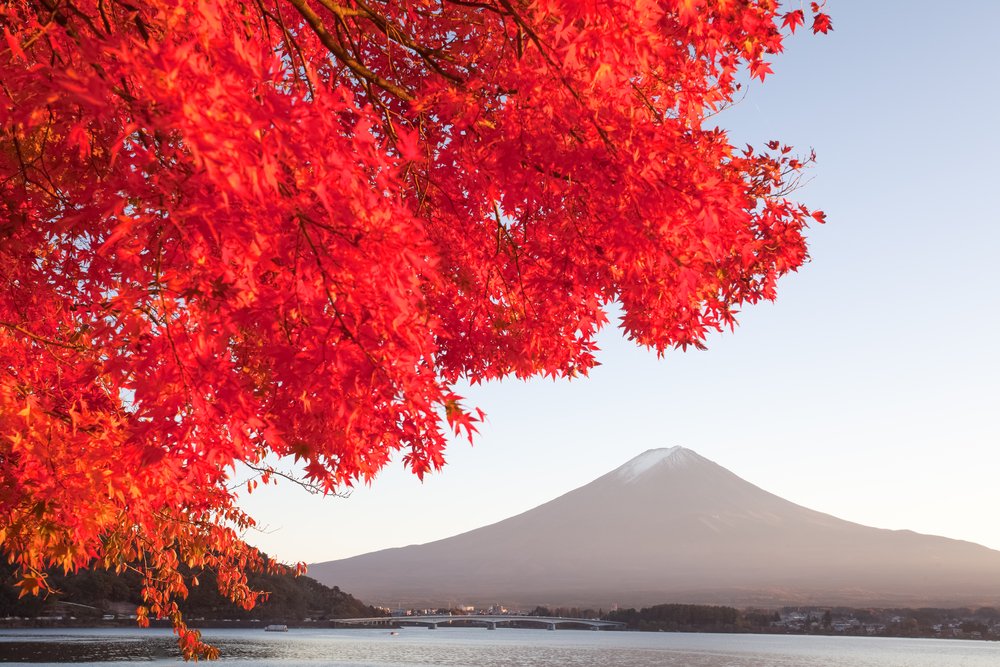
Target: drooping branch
(309, 487)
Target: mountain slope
(671, 525)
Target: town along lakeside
(97, 598)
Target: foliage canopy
(233, 229)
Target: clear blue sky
(870, 390)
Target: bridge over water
(490, 621)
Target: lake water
(504, 647)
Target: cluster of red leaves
(237, 229)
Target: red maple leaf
(822, 23)
(793, 19)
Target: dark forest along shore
(478, 647)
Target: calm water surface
(476, 647)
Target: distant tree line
(567, 612)
(95, 592)
(693, 618)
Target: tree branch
(316, 23)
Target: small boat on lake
(276, 627)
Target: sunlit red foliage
(291, 227)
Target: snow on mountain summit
(653, 458)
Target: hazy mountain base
(90, 595)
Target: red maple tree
(287, 228)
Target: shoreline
(217, 624)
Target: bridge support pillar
(552, 626)
(491, 626)
(432, 626)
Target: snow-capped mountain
(672, 526)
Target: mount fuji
(672, 526)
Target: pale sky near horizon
(869, 390)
